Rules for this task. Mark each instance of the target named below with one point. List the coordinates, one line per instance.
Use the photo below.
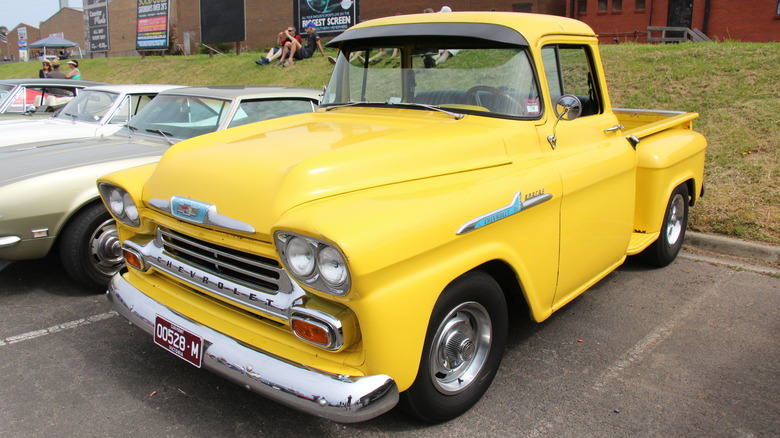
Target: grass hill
(734, 86)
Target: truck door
(597, 167)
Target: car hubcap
(460, 348)
(105, 250)
(674, 226)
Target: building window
(640, 5)
(582, 7)
(617, 5)
(602, 6)
(777, 11)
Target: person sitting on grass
(284, 37)
(303, 52)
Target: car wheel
(665, 249)
(464, 345)
(90, 249)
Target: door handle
(614, 128)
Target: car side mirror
(567, 107)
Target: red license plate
(178, 341)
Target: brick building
(67, 22)
(10, 49)
(628, 20)
(265, 18)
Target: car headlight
(314, 262)
(120, 204)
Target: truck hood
(33, 159)
(257, 172)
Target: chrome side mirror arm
(567, 107)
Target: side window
(130, 107)
(569, 70)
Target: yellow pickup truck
(461, 168)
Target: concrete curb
(732, 247)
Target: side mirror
(567, 107)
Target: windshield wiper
(163, 133)
(457, 116)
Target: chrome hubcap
(674, 226)
(460, 348)
(104, 248)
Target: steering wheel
(511, 101)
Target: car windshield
(484, 81)
(180, 117)
(89, 106)
(250, 111)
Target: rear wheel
(464, 345)
(90, 249)
(665, 249)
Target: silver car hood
(34, 159)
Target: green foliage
(734, 86)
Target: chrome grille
(249, 269)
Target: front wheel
(90, 249)
(463, 348)
(665, 249)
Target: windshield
(484, 81)
(88, 106)
(181, 117)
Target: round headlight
(116, 202)
(300, 256)
(332, 266)
(131, 211)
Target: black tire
(665, 249)
(90, 249)
(464, 345)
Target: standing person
(292, 43)
(276, 52)
(56, 73)
(74, 72)
(44, 72)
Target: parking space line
(643, 348)
(56, 328)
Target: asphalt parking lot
(690, 350)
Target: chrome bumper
(340, 398)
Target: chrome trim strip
(514, 207)
(9, 241)
(209, 215)
(345, 399)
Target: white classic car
(96, 111)
(48, 192)
(37, 97)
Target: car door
(597, 168)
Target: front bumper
(345, 399)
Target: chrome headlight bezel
(120, 204)
(305, 258)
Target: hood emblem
(516, 206)
(199, 212)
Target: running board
(640, 241)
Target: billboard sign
(97, 25)
(330, 16)
(222, 21)
(152, 25)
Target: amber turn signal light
(132, 259)
(312, 331)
